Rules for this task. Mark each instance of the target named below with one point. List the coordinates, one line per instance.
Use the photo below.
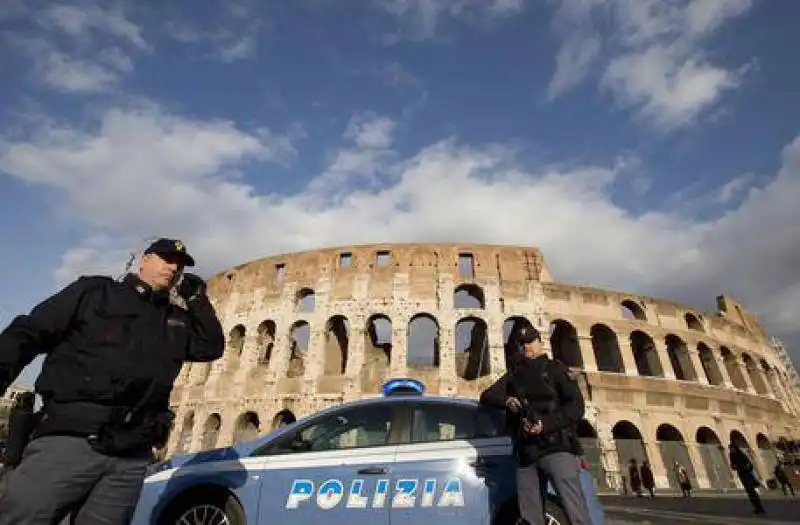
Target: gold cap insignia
(179, 246)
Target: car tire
(197, 507)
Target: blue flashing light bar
(403, 386)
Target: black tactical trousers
(563, 470)
(59, 475)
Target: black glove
(191, 287)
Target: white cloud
(82, 48)
(655, 59)
(232, 35)
(141, 173)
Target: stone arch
(693, 322)
(187, 431)
(593, 452)
(469, 296)
(265, 339)
(755, 377)
(709, 364)
(738, 439)
(211, 430)
(733, 369)
(672, 446)
(606, 349)
(337, 345)
(769, 374)
(299, 335)
(715, 461)
(645, 354)
(767, 453)
(472, 348)
(377, 352)
(680, 359)
(283, 418)
(246, 427)
(305, 300)
(236, 340)
(511, 327)
(564, 343)
(632, 310)
(422, 342)
(630, 446)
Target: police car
(403, 457)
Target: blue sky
(644, 145)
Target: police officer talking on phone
(113, 350)
(544, 405)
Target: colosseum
(662, 381)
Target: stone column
(628, 361)
(700, 372)
(399, 362)
(587, 351)
(746, 375)
(448, 377)
(723, 371)
(657, 463)
(700, 470)
(663, 359)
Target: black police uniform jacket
(549, 394)
(111, 343)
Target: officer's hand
(191, 286)
(513, 404)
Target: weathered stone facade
(308, 330)
(6, 402)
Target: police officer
(113, 350)
(544, 405)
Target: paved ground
(707, 510)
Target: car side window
(446, 422)
(352, 428)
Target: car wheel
(204, 508)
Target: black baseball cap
(528, 334)
(171, 247)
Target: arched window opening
(680, 359)
(422, 349)
(299, 335)
(306, 300)
(472, 348)
(646, 355)
(337, 345)
(606, 349)
(632, 311)
(469, 296)
(565, 344)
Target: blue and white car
(395, 459)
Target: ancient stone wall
(309, 330)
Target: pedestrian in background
(684, 482)
(743, 467)
(636, 478)
(783, 478)
(648, 481)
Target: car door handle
(373, 470)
